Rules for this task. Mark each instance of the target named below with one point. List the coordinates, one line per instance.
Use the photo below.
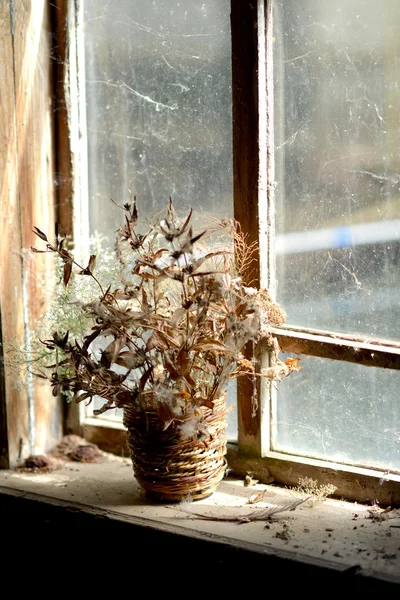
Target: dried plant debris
(254, 498)
(169, 335)
(88, 453)
(71, 448)
(77, 449)
(378, 514)
(315, 492)
(284, 534)
(256, 514)
(38, 463)
(249, 480)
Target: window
(284, 114)
(313, 142)
(336, 137)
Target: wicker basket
(170, 468)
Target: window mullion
(252, 172)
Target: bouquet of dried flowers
(164, 343)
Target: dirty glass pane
(337, 150)
(340, 412)
(158, 93)
(158, 111)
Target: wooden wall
(29, 416)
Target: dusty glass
(340, 412)
(158, 111)
(158, 93)
(337, 150)
(337, 187)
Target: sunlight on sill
(341, 533)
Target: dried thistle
(169, 336)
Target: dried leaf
(144, 378)
(38, 251)
(81, 397)
(182, 360)
(134, 213)
(156, 341)
(205, 273)
(187, 247)
(104, 408)
(67, 271)
(197, 237)
(130, 360)
(254, 498)
(56, 341)
(292, 363)
(171, 212)
(186, 223)
(171, 368)
(190, 381)
(40, 234)
(207, 345)
(92, 263)
(204, 402)
(178, 316)
(248, 480)
(166, 340)
(91, 337)
(145, 303)
(197, 263)
(106, 294)
(65, 255)
(159, 253)
(145, 275)
(113, 349)
(39, 375)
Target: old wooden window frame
(251, 28)
(29, 416)
(254, 189)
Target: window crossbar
(371, 353)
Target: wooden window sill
(334, 540)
